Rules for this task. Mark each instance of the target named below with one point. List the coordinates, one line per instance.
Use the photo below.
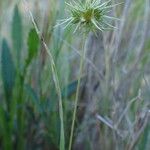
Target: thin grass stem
(77, 93)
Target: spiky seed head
(90, 15)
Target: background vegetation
(39, 67)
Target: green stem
(20, 115)
(77, 93)
(8, 145)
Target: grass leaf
(17, 33)
(33, 45)
(8, 70)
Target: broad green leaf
(33, 45)
(8, 69)
(17, 33)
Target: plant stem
(77, 92)
(20, 114)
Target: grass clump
(60, 90)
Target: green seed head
(90, 15)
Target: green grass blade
(33, 45)
(8, 72)
(17, 34)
